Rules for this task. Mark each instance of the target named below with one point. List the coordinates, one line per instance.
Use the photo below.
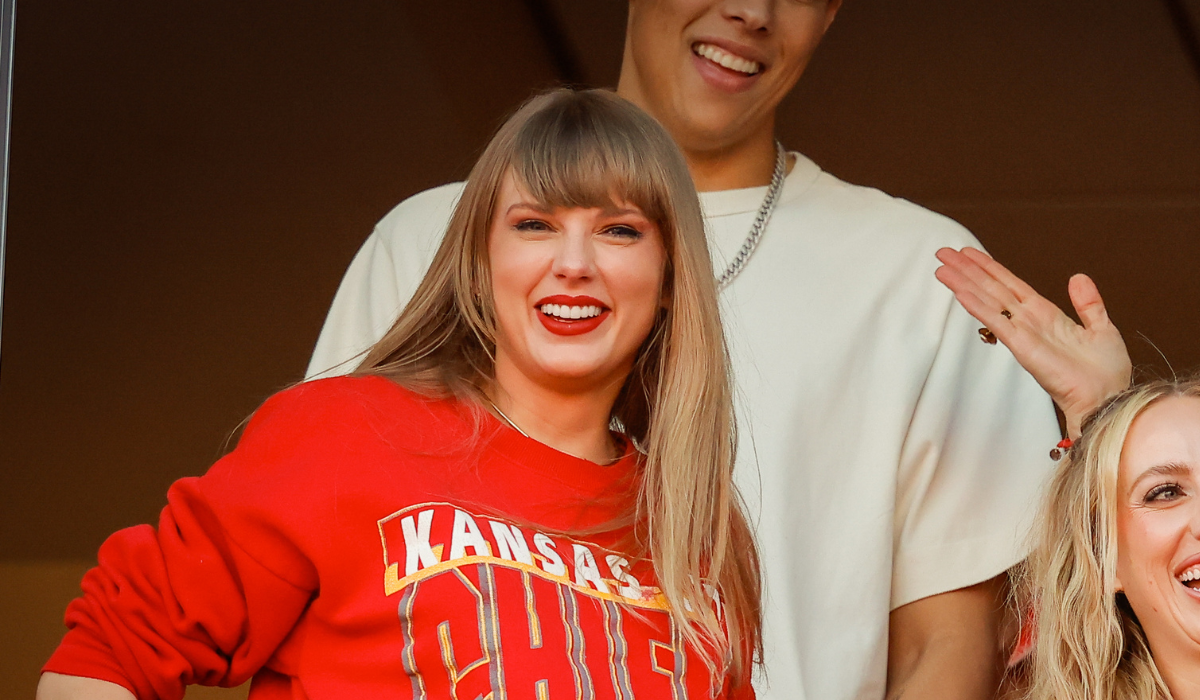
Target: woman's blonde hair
(589, 149)
(1090, 645)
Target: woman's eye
(532, 225)
(1164, 492)
(623, 231)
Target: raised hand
(1079, 366)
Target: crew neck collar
(584, 475)
(749, 199)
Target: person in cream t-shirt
(886, 454)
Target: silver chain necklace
(760, 221)
(508, 420)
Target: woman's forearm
(55, 686)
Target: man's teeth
(570, 312)
(1192, 574)
(728, 60)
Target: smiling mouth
(1191, 578)
(564, 312)
(727, 60)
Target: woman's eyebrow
(614, 210)
(535, 206)
(1176, 469)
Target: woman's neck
(574, 422)
(1182, 686)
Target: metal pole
(8, 16)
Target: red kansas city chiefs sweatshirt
(365, 542)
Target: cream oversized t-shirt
(885, 454)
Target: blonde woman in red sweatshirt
(524, 491)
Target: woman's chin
(580, 377)
(579, 365)
(1188, 612)
(1172, 620)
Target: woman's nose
(575, 258)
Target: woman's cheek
(1149, 543)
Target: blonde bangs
(578, 157)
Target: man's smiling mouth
(726, 60)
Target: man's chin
(715, 130)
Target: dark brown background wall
(190, 180)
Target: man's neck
(748, 163)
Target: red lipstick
(576, 326)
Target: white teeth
(1191, 574)
(570, 312)
(726, 59)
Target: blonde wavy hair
(1090, 645)
(589, 149)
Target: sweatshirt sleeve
(208, 595)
